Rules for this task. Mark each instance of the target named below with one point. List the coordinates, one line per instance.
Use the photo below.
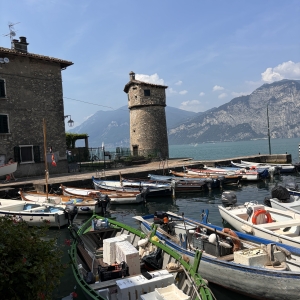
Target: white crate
(133, 287)
(255, 257)
(109, 248)
(171, 292)
(125, 251)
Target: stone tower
(148, 126)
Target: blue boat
(237, 261)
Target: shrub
(30, 264)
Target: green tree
(30, 265)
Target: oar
(186, 231)
(210, 228)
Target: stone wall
(148, 127)
(34, 92)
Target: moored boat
(261, 220)
(85, 205)
(153, 189)
(116, 197)
(8, 168)
(245, 266)
(107, 265)
(37, 214)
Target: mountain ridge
(242, 118)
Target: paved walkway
(83, 176)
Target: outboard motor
(71, 212)
(228, 198)
(281, 193)
(103, 201)
(267, 202)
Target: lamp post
(103, 149)
(70, 121)
(268, 129)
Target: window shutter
(36, 154)
(3, 124)
(17, 154)
(2, 88)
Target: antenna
(12, 32)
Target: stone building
(148, 126)
(30, 91)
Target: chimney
(21, 45)
(132, 76)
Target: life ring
(259, 212)
(236, 242)
(253, 168)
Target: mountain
(112, 127)
(245, 117)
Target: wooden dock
(84, 179)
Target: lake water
(193, 204)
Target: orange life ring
(236, 243)
(259, 212)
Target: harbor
(84, 179)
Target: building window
(4, 124)
(2, 88)
(146, 92)
(27, 154)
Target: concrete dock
(80, 179)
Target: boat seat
(281, 224)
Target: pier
(80, 179)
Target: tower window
(146, 92)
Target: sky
(206, 52)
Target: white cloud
(183, 92)
(217, 88)
(178, 82)
(201, 94)
(223, 95)
(150, 78)
(286, 70)
(192, 105)
(171, 91)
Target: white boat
(35, 214)
(249, 175)
(263, 221)
(111, 261)
(263, 171)
(84, 205)
(244, 266)
(8, 168)
(282, 168)
(153, 189)
(116, 197)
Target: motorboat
(237, 261)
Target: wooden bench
(280, 224)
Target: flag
(53, 160)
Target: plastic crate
(113, 272)
(214, 250)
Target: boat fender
(224, 244)
(143, 242)
(260, 212)
(236, 243)
(212, 238)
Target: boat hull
(250, 281)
